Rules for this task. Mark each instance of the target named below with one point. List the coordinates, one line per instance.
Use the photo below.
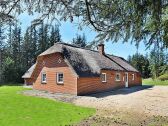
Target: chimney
(101, 49)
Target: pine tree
(80, 41)
(158, 62)
(27, 45)
(16, 43)
(55, 35)
(34, 45)
(141, 63)
(46, 36)
(2, 37)
(40, 39)
(16, 52)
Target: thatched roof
(87, 63)
(122, 62)
(29, 72)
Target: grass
(19, 110)
(150, 81)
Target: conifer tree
(2, 37)
(55, 35)
(80, 41)
(16, 55)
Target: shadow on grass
(11, 84)
(122, 91)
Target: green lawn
(150, 81)
(19, 110)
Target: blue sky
(69, 30)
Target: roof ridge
(115, 56)
(71, 45)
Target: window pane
(60, 77)
(44, 77)
(103, 77)
(117, 76)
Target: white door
(126, 79)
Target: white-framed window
(60, 78)
(43, 78)
(133, 76)
(103, 77)
(118, 77)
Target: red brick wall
(137, 79)
(50, 65)
(73, 85)
(94, 84)
(28, 81)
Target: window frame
(60, 82)
(105, 77)
(42, 81)
(116, 77)
(133, 77)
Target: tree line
(151, 65)
(18, 51)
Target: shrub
(163, 77)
